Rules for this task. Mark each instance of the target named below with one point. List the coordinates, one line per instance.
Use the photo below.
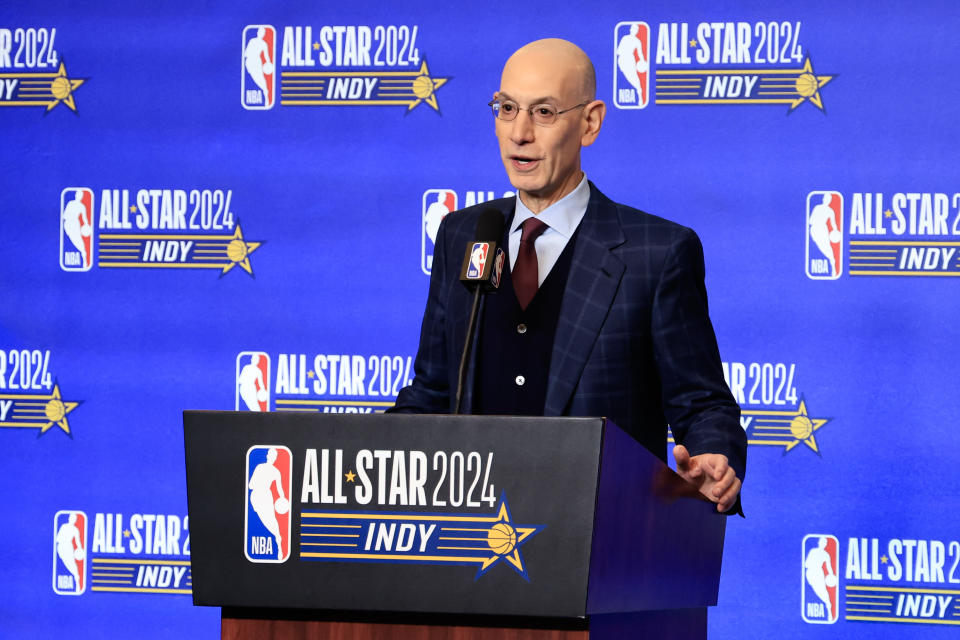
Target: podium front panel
(465, 514)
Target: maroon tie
(524, 274)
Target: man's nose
(523, 128)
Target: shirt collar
(562, 216)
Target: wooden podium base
(263, 624)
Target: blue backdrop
(201, 202)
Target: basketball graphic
(807, 84)
(502, 538)
(55, 410)
(422, 86)
(236, 250)
(60, 88)
(801, 427)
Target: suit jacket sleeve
(430, 390)
(698, 405)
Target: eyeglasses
(541, 114)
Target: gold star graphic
(802, 427)
(133, 208)
(425, 87)
(62, 88)
(311, 374)
(808, 85)
(56, 411)
(126, 533)
(239, 252)
(510, 548)
(884, 559)
(316, 46)
(888, 213)
(350, 475)
(693, 43)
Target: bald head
(542, 159)
(561, 59)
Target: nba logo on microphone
(258, 72)
(437, 203)
(266, 527)
(820, 600)
(69, 552)
(824, 235)
(631, 65)
(76, 229)
(478, 260)
(253, 381)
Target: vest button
(521, 328)
(520, 380)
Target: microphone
(482, 262)
(482, 267)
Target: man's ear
(593, 115)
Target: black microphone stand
(490, 230)
(467, 348)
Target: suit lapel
(594, 278)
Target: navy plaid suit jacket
(634, 342)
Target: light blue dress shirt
(562, 216)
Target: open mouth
(522, 163)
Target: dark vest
(514, 345)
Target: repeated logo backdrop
(170, 247)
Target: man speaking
(603, 310)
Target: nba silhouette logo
(437, 203)
(253, 381)
(266, 523)
(819, 600)
(76, 229)
(69, 552)
(258, 71)
(824, 235)
(478, 260)
(631, 65)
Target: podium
(310, 525)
